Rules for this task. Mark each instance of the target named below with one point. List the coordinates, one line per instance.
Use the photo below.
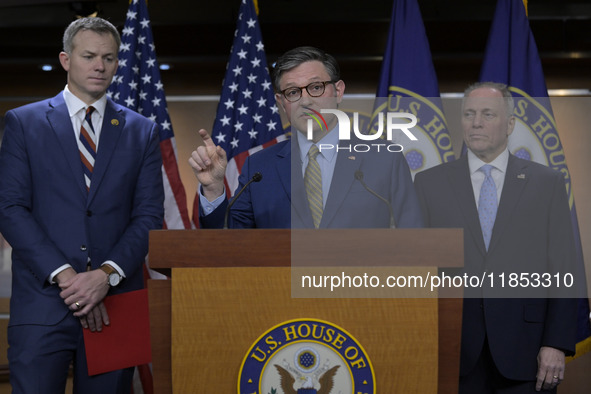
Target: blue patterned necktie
(487, 204)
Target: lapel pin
(351, 157)
(114, 122)
(521, 176)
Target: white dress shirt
(77, 111)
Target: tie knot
(89, 110)
(313, 152)
(487, 168)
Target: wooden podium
(228, 287)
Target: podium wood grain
(219, 313)
(160, 320)
(271, 249)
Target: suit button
(89, 213)
(83, 248)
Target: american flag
(137, 85)
(247, 118)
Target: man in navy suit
(307, 80)
(510, 344)
(77, 217)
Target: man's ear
(340, 88)
(510, 125)
(65, 60)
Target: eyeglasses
(315, 89)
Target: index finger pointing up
(207, 141)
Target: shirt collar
(75, 105)
(500, 162)
(332, 138)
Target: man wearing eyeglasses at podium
(303, 183)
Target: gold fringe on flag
(582, 347)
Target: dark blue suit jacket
(532, 234)
(48, 217)
(279, 199)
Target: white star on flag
(243, 115)
(137, 86)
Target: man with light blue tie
(303, 186)
(516, 218)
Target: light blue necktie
(487, 204)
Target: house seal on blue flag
(535, 136)
(433, 145)
(306, 356)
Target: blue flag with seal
(408, 83)
(512, 58)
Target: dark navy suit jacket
(49, 218)
(532, 234)
(279, 199)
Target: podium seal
(306, 356)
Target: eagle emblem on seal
(326, 381)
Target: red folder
(126, 341)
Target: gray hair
(97, 25)
(293, 58)
(501, 87)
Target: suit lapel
(299, 200)
(60, 122)
(283, 168)
(515, 180)
(113, 124)
(461, 182)
(343, 177)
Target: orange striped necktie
(87, 146)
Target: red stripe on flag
(172, 173)
(240, 159)
(269, 143)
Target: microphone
(359, 177)
(255, 178)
